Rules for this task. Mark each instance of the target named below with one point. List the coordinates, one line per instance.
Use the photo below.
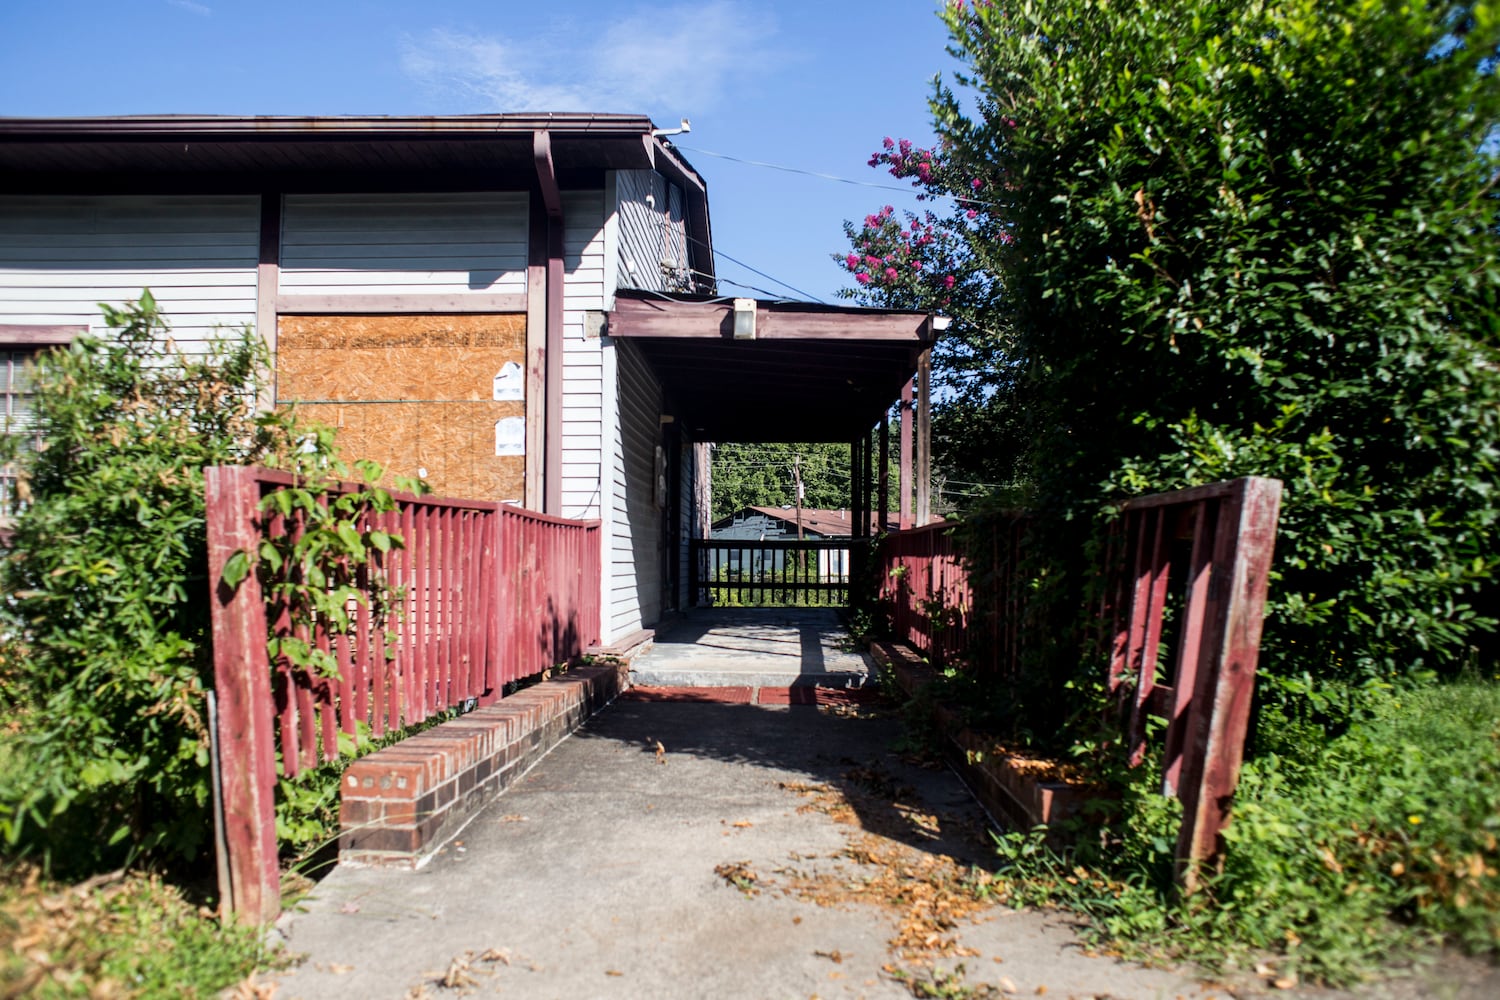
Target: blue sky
(812, 85)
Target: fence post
(242, 684)
(1225, 680)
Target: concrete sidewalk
(749, 858)
(753, 647)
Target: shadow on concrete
(758, 647)
(852, 751)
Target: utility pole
(797, 479)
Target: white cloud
(202, 10)
(669, 61)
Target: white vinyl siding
(62, 255)
(653, 232)
(635, 597)
(404, 244)
(583, 372)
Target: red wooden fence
(1215, 540)
(491, 594)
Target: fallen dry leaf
(739, 875)
(835, 956)
(613, 972)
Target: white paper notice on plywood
(509, 382)
(510, 436)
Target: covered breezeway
(749, 370)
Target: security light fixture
(744, 319)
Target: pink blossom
(852, 260)
(976, 184)
(891, 274)
(916, 265)
(972, 214)
(873, 261)
(949, 281)
(862, 278)
(888, 143)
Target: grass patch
(123, 935)
(1340, 861)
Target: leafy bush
(107, 628)
(1341, 855)
(1229, 240)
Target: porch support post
(883, 473)
(924, 437)
(551, 200)
(905, 475)
(268, 287)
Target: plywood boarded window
(414, 393)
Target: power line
(961, 199)
(808, 296)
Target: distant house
(762, 523)
(779, 524)
(515, 307)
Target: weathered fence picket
(489, 594)
(1216, 541)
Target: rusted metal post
(1225, 680)
(242, 683)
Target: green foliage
(1245, 244)
(760, 475)
(1243, 238)
(130, 936)
(326, 562)
(1341, 854)
(108, 634)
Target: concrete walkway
(700, 850)
(752, 647)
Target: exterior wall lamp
(744, 319)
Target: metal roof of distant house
(826, 523)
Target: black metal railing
(784, 573)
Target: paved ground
(752, 647)
(610, 871)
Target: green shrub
(107, 625)
(1229, 239)
(1341, 855)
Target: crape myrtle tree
(922, 261)
(1191, 240)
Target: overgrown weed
(1339, 862)
(120, 935)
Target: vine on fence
(326, 560)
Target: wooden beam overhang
(811, 372)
